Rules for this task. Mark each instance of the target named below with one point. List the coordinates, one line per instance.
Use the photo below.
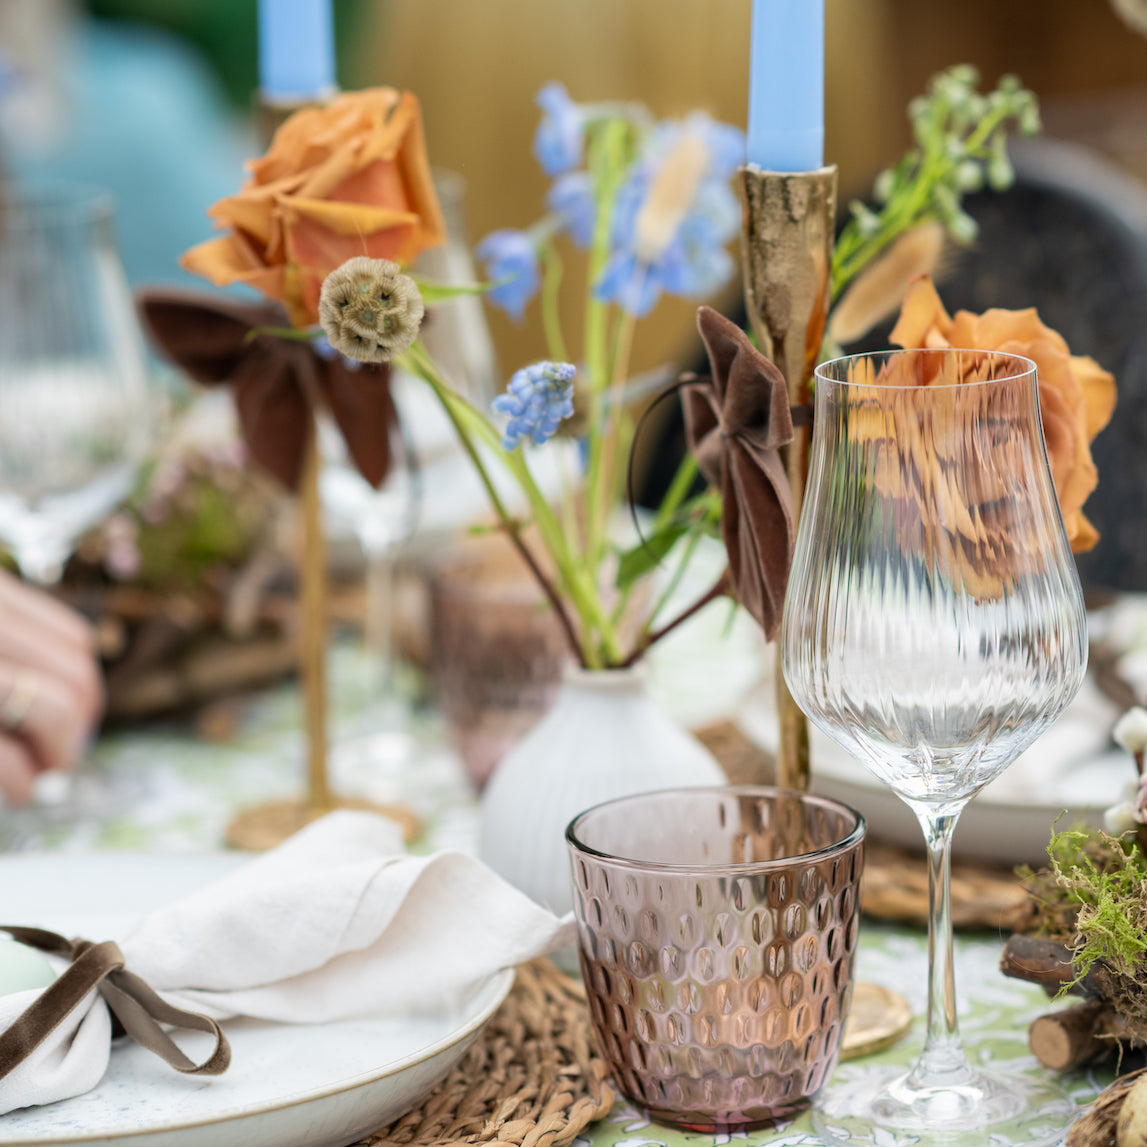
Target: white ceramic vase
(603, 738)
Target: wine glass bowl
(73, 383)
(934, 627)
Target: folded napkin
(333, 924)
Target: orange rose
(1076, 395)
(347, 179)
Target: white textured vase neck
(631, 679)
(604, 738)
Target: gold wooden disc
(264, 826)
(877, 1019)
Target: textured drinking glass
(74, 400)
(717, 931)
(933, 627)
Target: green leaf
(637, 562)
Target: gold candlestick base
(787, 242)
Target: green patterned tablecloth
(160, 789)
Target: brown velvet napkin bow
(275, 380)
(137, 1008)
(735, 423)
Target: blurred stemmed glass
(75, 406)
(382, 520)
(934, 627)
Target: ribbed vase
(604, 738)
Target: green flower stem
(606, 162)
(903, 211)
(677, 492)
(573, 579)
(290, 334)
(850, 258)
(616, 434)
(570, 523)
(551, 286)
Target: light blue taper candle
(786, 85)
(296, 50)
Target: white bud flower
(1130, 730)
(884, 186)
(1120, 818)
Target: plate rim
(866, 780)
(498, 984)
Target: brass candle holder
(267, 825)
(787, 240)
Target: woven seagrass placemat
(532, 1078)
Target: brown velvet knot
(735, 423)
(138, 1009)
(277, 382)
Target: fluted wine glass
(75, 404)
(934, 627)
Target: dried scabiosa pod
(369, 310)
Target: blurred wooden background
(476, 65)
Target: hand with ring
(51, 691)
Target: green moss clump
(1095, 893)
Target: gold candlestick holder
(267, 825)
(786, 242)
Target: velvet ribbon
(735, 423)
(276, 381)
(138, 1009)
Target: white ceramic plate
(314, 1085)
(1071, 769)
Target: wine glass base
(1001, 1108)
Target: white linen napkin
(334, 923)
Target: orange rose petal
(962, 331)
(997, 326)
(415, 165)
(215, 261)
(1081, 534)
(340, 165)
(1098, 386)
(249, 214)
(359, 219)
(378, 182)
(218, 260)
(307, 138)
(921, 311)
(380, 140)
(1076, 395)
(321, 250)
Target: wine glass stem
(943, 1062)
(378, 626)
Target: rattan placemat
(532, 1078)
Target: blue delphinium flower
(692, 261)
(560, 138)
(571, 200)
(513, 256)
(537, 400)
